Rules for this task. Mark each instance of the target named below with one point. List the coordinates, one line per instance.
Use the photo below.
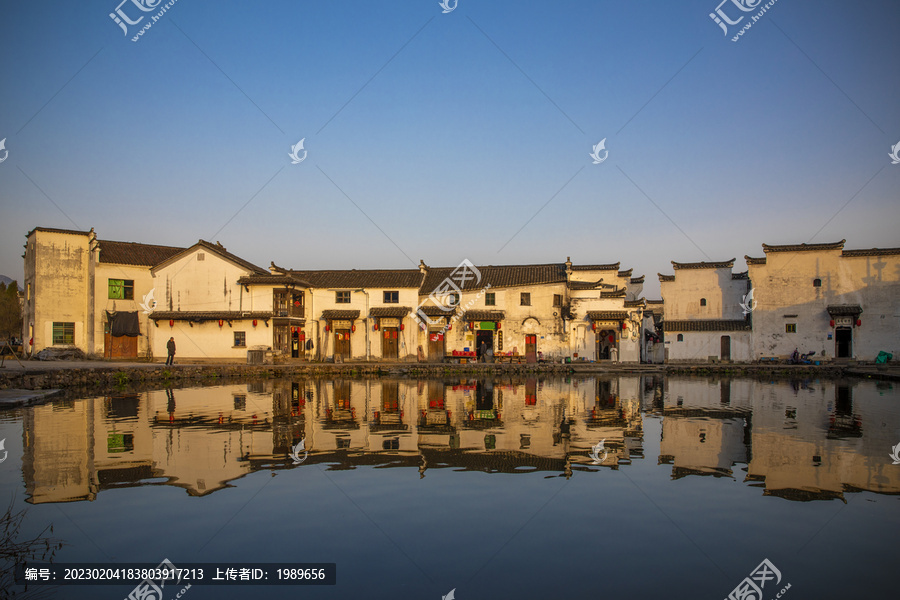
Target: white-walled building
(842, 304)
(86, 293)
(218, 306)
(703, 314)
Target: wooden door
(342, 343)
(843, 342)
(531, 348)
(390, 342)
(725, 353)
(120, 347)
(436, 348)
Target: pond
(504, 487)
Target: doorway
(297, 339)
(484, 345)
(436, 346)
(531, 348)
(725, 352)
(843, 342)
(607, 345)
(390, 343)
(342, 343)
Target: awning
(484, 315)
(844, 310)
(340, 314)
(607, 315)
(390, 311)
(198, 316)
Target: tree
(10, 311)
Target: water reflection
(800, 440)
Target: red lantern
(624, 325)
(402, 326)
(254, 322)
(593, 327)
(171, 323)
(353, 328)
(221, 322)
(449, 327)
(831, 323)
(858, 322)
(327, 328)
(498, 325)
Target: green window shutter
(117, 289)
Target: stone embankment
(109, 376)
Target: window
(525, 299)
(201, 256)
(453, 299)
(817, 282)
(240, 338)
(702, 301)
(63, 333)
(391, 297)
(680, 337)
(790, 328)
(557, 299)
(490, 299)
(342, 297)
(121, 289)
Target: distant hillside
(7, 281)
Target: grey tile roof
(133, 253)
(871, 252)
(498, 276)
(272, 280)
(724, 264)
(803, 247)
(359, 279)
(484, 315)
(708, 325)
(607, 315)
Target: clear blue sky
(452, 130)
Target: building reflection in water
(798, 440)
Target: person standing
(170, 346)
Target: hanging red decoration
(254, 322)
(171, 323)
(498, 325)
(402, 326)
(831, 323)
(375, 327)
(593, 327)
(624, 325)
(327, 328)
(353, 328)
(858, 322)
(221, 322)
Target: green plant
(121, 378)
